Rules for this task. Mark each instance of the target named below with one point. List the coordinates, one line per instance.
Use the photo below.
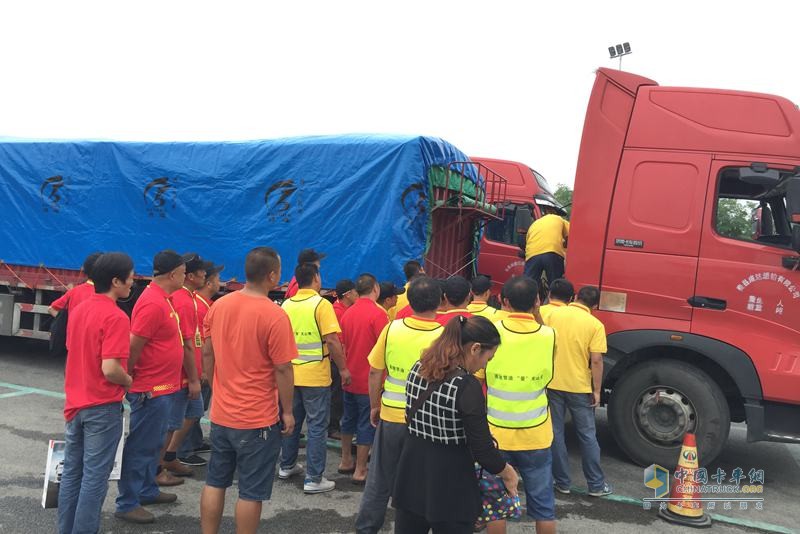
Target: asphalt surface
(31, 401)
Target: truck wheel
(655, 403)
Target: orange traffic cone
(685, 507)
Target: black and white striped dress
(435, 475)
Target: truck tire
(655, 403)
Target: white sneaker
(319, 487)
(296, 469)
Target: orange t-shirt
(250, 336)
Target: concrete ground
(31, 401)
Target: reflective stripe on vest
(517, 377)
(404, 346)
(303, 316)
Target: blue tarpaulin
(361, 199)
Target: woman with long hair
(436, 487)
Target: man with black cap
(188, 405)
(307, 255)
(481, 291)
(204, 298)
(455, 291)
(156, 359)
(345, 297)
(389, 296)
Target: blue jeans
(313, 403)
(194, 440)
(142, 448)
(252, 452)
(91, 444)
(579, 405)
(356, 418)
(535, 466)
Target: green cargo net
(472, 196)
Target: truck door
(747, 292)
(653, 239)
(500, 246)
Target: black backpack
(58, 334)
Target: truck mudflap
(771, 421)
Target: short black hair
(456, 290)
(424, 294)
(411, 269)
(259, 263)
(562, 289)
(89, 262)
(365, 283)
(481, 284)
(589, 295)
(108, 266)
(521, 293)
(305, 273)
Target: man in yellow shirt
(544, 247)
(577, 382)
(316, 334)
(481, 291)
(398, 348)
(517, 406)
(561, 293)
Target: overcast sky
(498, 79)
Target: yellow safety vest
(517, 377)
(404, 346)
(483, 310)
(303, 316)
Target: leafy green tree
(734, 219)
(563, 194)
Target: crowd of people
(421, 382)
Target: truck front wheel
(655, 403)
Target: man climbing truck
(702, 316)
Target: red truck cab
(527, 192)
(702, 314)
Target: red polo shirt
(158, 369)
(339, 309)
(203, 306)
(292, 289)
(74, 296)
(96, 331)
(183, 300)
(444, 318)
(361, 324)
(404, 312)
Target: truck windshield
(753, 212)
(543, 185)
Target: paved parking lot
(31, 403)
